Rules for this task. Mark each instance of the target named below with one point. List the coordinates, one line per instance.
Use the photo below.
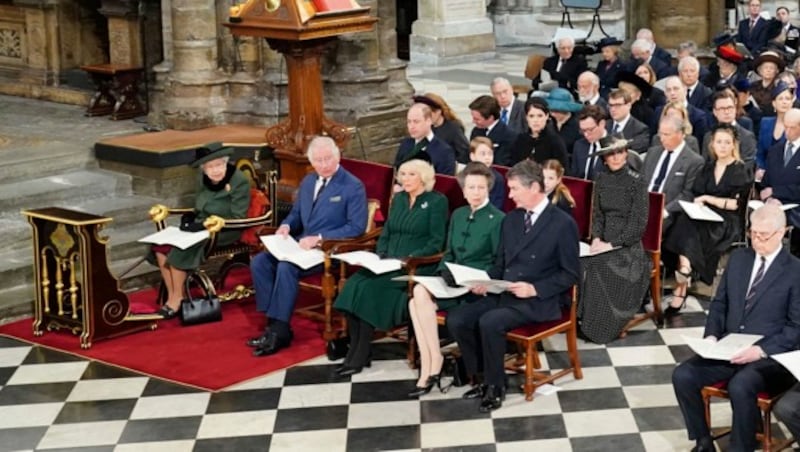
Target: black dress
(452, 134)
(703, 242)
(548, 145)
(615, 282)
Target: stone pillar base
(452, 42)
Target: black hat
(209, 152)
(780, 87)
(608, 41)
(635, 80)
(427, 101)
(723, 39)
(611, 143)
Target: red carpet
(211, 356)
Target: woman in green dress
(472, 241)
(415, 227)
(222, 190)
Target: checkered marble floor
(54, 401)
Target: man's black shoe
(493, 399)
(272, 344)
(477, 392)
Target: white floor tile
(674, 336)
(640, 356)
(13, 356)
(666, 441)
(516, 406)
(450, 434)
(317, 440)
(303, 396)
(247, 423)
(33, 415)
(171, 406)
(599, 422)
(84, 434)
(593, 378)
(650, 396)
(273, 380)
(108, 389)
(48, 373)
(542, 445)
(386, 370)
(157, 446)
(383, 414)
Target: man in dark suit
(485, 113)
(623, 124)
(538, 254)
(565, 67)
(658, 52)
(512, 110)
(758, 294)
(641, 53)
(781, 181)
(331, 204)
(752, 30)
(724, 111)
(592, 122)
(790, 35)
(728, 67)
(697, 94)
(671, 167)
(589, 90)
(788, 410)
(422, 140)
(675, 91)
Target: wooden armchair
(651, 241)
(236, 254)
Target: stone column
(124, 35)
(500, 7)
(523, 7)
(451, 31)
(41, 41)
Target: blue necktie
(504, 116)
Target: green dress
(410, 231)
(472, 240)
(231, 200)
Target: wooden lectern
(301, 32)
(74, 288)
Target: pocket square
(680, 174)
(335, 199)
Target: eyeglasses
(728, 108)
(585, 131)
(764, 236)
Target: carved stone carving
(10, 43)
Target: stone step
(68, 188)
(43, 158)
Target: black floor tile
(374, 439)
(95, 411)
(634, 338)
(96, 370)
(381, 391)
(591, 399)
(11, 342)
(35, 393)
(6, 373)
(156, 387)
(83, 449)
(645, 375)
(450, 410)
(629, 443)
(249, 400)
(39, 355)
(589, 358)
(658, 418)
(471, 448)
(316, 418)
(236, 444)
(310, 375)
(164, 429)
(21, 438)
(681, 352)
(389, 350)
(529, 428)
(686, 320)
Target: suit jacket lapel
(524, 239)
(773, 273)
(677, 167)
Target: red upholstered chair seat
(581, 191)
(378, 181)
(538, 328)
(723, 386)
(508, 205)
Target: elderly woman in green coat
(222, 190)
(416, 226)
(472, 240)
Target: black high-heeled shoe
(167, 312)
(672, 311)
(433, 380)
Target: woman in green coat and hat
(222, 190)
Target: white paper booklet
(370, 261)
(755, 204)
(698, 212)
(584, 249)
(287, 249)
(470, 277)
(435, 285)
(172, 235)
(723, 349)
(789, 360)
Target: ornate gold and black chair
(237, 254)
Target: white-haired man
(565, 67)
(589, 90)
(512, 110)
(642, 52)
(697, 94)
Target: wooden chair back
(508, 204)
(582, 191)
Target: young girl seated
(557, 192)
(481, 150)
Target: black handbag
(337, 348)
(204, 309)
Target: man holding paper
(538, 253)
(758, 294)
(331, 204)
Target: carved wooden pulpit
(301, 31)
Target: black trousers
(744, 384)
(360, 341)
(480, 329)
(788, 410)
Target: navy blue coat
(755, 39)
(503, 138)
(784, 179)
(443, 157)
(698, 118)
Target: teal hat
(561, 99)
(210, 151)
